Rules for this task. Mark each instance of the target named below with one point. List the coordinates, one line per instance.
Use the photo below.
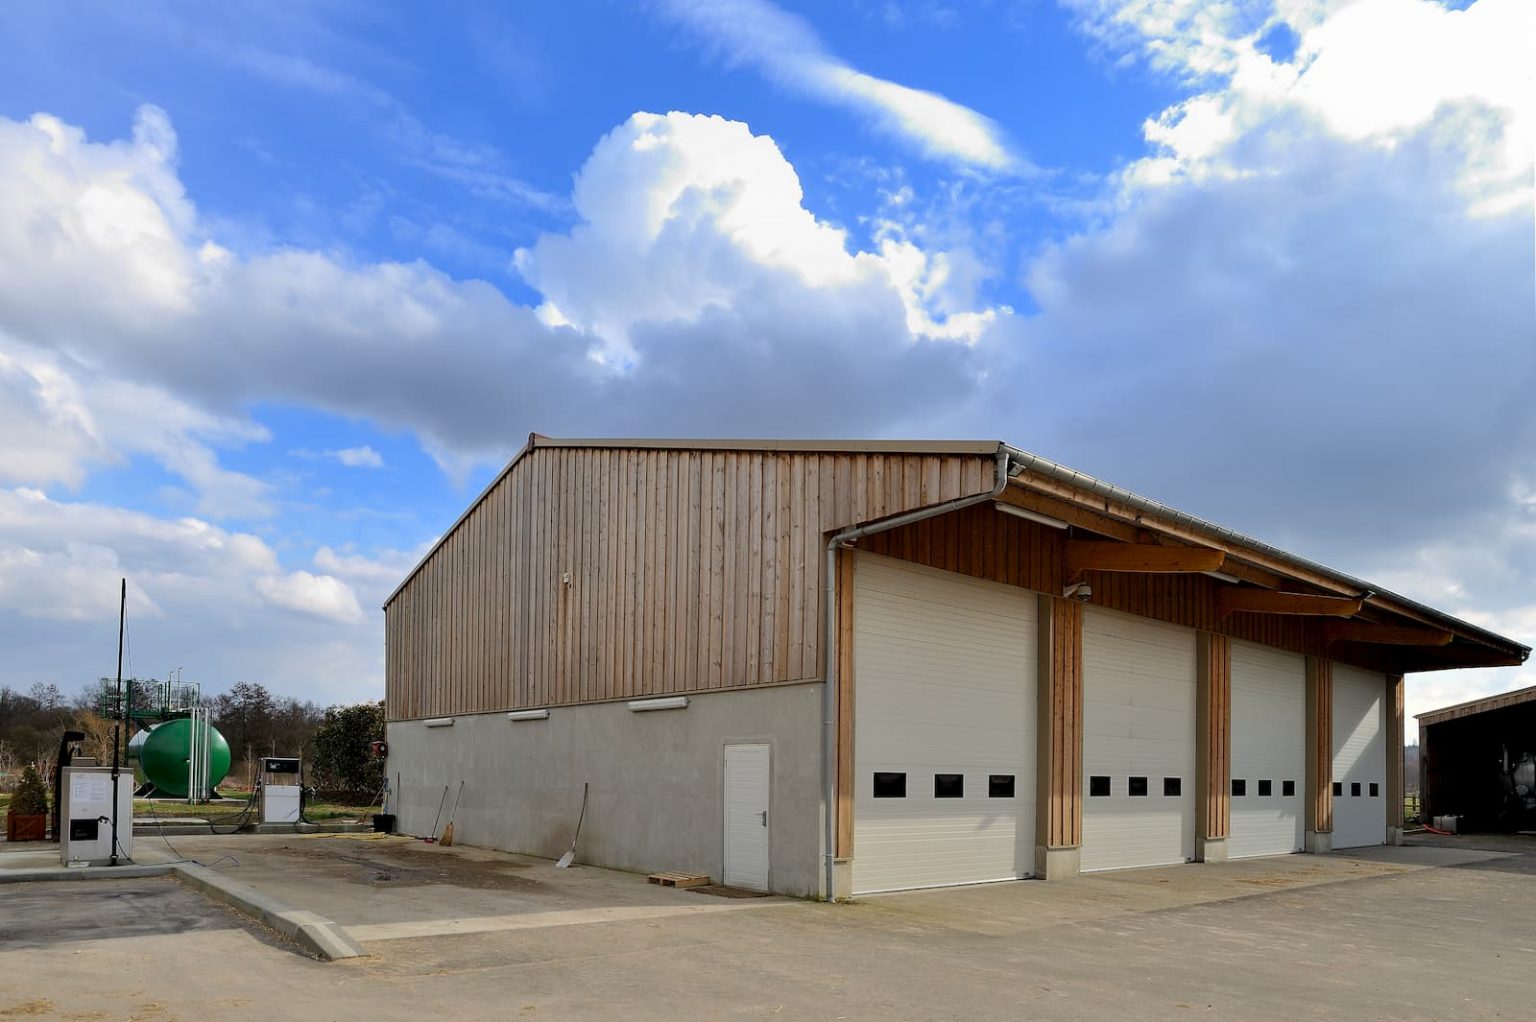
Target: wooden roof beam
(1230, 599)
(1086, 555)
(1391, 635)
(1068, 513)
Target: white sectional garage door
(1138, 742)
(1359, 758)
(944, 728)
(1269, 722)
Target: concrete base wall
(1210, 849)
(842, 880)
(657, 778)
(1057, 863)
(1394, 835)
(1318, 842)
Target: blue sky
(306, 274)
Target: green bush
(340, 756)
(31, 795)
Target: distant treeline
(253, 721)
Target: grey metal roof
(1474, 706)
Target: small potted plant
(27, 818)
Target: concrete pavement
(1417, 932)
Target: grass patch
(234, 802)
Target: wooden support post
(1059, 743)
(1395, 778)
(845, 696)
(1319, 797)
(1426, 816)
(1213, 738)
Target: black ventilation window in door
(948, 785)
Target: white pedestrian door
(746, 816)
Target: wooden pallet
(679, 879)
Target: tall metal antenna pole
(117, 723)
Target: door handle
(764, 815)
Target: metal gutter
(1004, 471)
(1108, 491)
(786, 446)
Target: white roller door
(1359, 758)
(944, 728)
(1269, 722)
(1138, 742)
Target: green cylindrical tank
(162, 754)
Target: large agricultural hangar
(837, 668)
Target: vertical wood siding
(979, 541)
(1396, 782)
(846, 689)
(1215, 733)
(1319, 801)
(1060, 824)
(688, 570)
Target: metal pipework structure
(198, 758)
(1007, 468)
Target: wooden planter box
(26, 828)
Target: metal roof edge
(848, 446)
(1465, 709)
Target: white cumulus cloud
(324, 596)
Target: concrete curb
(314, 932)
(22, 876)
(194, 829)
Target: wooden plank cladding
(1059, 822)
(590, 573)
(847, 690)
(1213, 736)
(1319, 765)
(984, 543)
(1396, 713)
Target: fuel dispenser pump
(88, 822)
(282, 789)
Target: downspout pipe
(1007, 467)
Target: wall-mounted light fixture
(1222, 576)
(1080, 591)
(666, 703)
(439, 722)
(1030, 516)
(528, 715)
